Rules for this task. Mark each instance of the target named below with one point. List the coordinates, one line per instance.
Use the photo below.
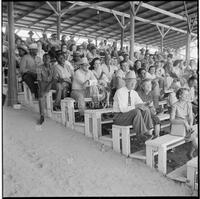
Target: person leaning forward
(46, 79)
(129, 109)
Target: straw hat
(130, 75)
(33, 46)
(23, 47)
(83, 61)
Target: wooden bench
(93, 122)
(161, 145)
(68, 114)
(122, 133)
(192, 173)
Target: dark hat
(53, 34)
(31, 32)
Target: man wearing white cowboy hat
(81, 84)
(30, 39)
(129, 108)
(28, 68)
(54, 42)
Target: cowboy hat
(130, 75)
(83, 61)
(33, 46)
(23, 47)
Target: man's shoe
(41, 120)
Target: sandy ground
(56, 161)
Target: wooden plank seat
(192, 173)
(93, 122)
(68, 108)
(123, 134)
(161, 145)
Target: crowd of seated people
(87, 70)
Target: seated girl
(181, 113)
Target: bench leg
(126, 150)
(96, 123)
(116, 139)
(150, 156)
(191, 174)
(88, 125)
(162, 159)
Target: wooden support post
(162, 38)
(12, 80)
(188, 48)
(122, 32)
(96, 41)
(58, 18)
(132, 37)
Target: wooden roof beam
(171, 14)
(92, 16)
(128, 16)
(32, 10)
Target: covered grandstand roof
(96, 19)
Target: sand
(57, 161)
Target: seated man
(145, 93)
(28, 66)
(46, 79)
(64, 75)
(81, 87)
(129, 109)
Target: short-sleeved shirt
(64, 72)
(80, 77)
(121, 100)
(29, 63)
(46, 74)
(181, 110)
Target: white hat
(130, 75)
(33, 46)
(84, 60)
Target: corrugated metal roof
(93, 23)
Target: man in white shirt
(120, 74)
(64, 75)
(131, 110)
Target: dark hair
(46, 55)
(140, 70)
(121, 62)
(192, 78)
(152, 67)
(70, 47)
(180, 92)
(92, 63)
(170, 56)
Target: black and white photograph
(99, 98)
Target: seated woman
(98, 72)
(64, 75)
(145, 93)
(81, 87)
(182, 114)
(102, 78)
